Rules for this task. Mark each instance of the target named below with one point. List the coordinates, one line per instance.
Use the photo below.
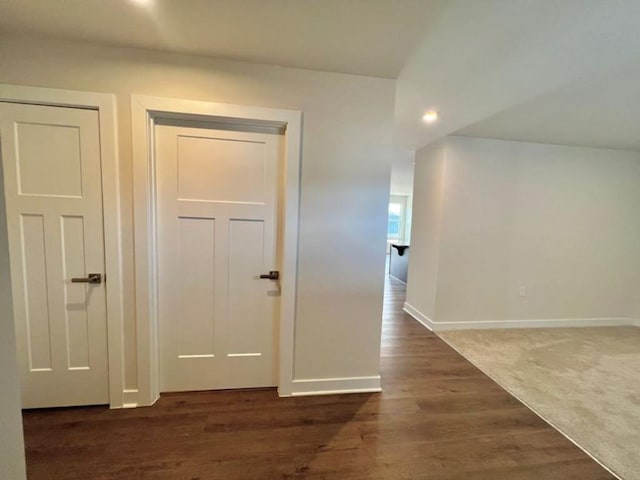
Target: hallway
(437, 418)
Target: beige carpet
(584, 381)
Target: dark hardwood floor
(438, 418)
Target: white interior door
(217, 206)
(52, 181)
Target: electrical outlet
(523, 291)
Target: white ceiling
(487, 56)
(367, 37)
(597, 112)
(534, 70)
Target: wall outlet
(523, 291)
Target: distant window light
(394, 226)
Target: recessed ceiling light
(142, 3)
(430, 117)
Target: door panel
(236, 175)
(49, 163)
(247, 302)
(36, 305)
(216, 207)
(52, 177)
(197, 286)
(75, 296)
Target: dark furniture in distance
(399, 261)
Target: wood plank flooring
(438, 418)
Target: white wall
(344, 187)
(402, 172)
(560, 221)
(425, 231)
(12, 465)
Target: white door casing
(217, 195)
(146, 112)
(52, 176)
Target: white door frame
(105, 105)
(145, 111)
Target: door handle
(91, 278)
(272, 275)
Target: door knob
(272, 275)
(91, 278)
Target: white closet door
(52, 180)
(217, 225)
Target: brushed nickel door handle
(94, 278)
(272, 275)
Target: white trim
(419, 316)
(105, 105)
(130, 398)
(535, 323)
(397, 279)
(333, 386)
(144, 111)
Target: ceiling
(366, 37)
(599, 112)
(535, 70)
(484, 57)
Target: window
(399, 226)
(394, 228)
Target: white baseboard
(320, 386)
(130, 398)
(332, 386)
(534, 323)
(419, 316)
